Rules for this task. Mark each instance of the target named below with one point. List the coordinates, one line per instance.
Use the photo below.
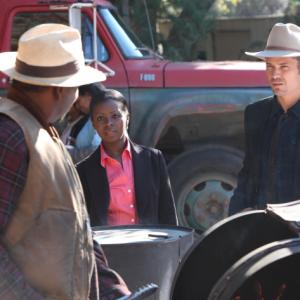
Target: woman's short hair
(92, 89)
(106, 95)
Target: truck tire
(203, 181)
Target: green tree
(293, 12)
(137, 18)
(248, 8)
(190, 26)
(191, 22)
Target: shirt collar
(295, 109)
(277, 109)
(105, 157)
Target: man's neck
(287, 102)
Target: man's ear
(57, 92)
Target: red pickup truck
(192, 111)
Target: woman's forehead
(109, 105)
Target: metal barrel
(145, 254)
(220, 247)
(268, 272)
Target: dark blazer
(154, 197)
(247, 191)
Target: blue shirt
(86, 142)
(87, 137)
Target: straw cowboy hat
(49, 55)
(283, 41)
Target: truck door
(108, 51)
(20, 18)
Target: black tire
(203, 181)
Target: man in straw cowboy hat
(46, 247)
(271, 169)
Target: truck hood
(215, 74)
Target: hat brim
(85, 75)
(273, 53)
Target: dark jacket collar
(277, 109)
(295, 110)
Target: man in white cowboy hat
(46, 247)
(271, 169)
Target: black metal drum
(144, 254)
(269, 272)
(220, 247)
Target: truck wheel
(203, 181)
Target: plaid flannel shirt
(13, 168)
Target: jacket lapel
(100, 191)
(140, 164)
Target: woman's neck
(115, 150)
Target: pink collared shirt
(122, 208)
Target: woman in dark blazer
(151, 198)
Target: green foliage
(138, 18)
(248, 8)
(293, 12)
(189, 27)
(191, 22)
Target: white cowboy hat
(49, 55)
(283, 41)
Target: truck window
(128, 43)
(25, 20)
(87, 40)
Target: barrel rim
(252, 263)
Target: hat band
(45, 72)
(282, 48)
